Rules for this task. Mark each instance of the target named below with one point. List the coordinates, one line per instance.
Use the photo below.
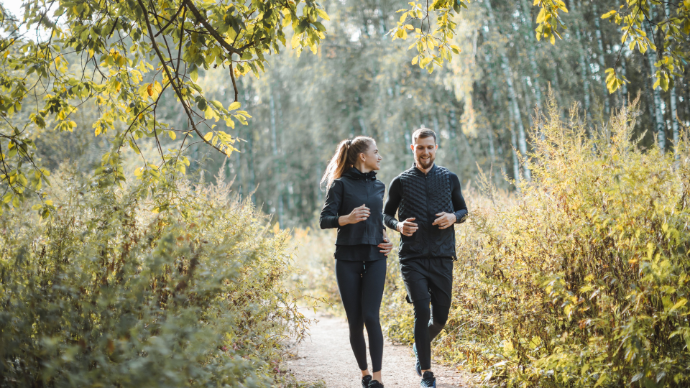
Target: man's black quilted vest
(423, 196)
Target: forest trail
(326, 355)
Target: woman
(354, 205)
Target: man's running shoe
(428, 380)
(365, 381)
(417, 365)
(375, 384)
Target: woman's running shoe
(428, 380)
(375, 384)
(365, 381)
(417, 365)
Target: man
(429, 200)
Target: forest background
(574, 258)
(361, 82)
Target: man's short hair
(422, 133)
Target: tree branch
(202, 19)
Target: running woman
(429, 202)
(354, 205)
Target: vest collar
(419, 172)
(355, 174)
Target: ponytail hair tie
(349, 143)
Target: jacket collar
(355, 174)
(419, 172)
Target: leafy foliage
(434, 47)
(636, 19)
(131, 53)
(108, 292)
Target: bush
(582, 279)
(111, 293)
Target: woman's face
(371, 158)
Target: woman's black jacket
(352, 190)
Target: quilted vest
(423, 196)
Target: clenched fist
(358, 214)
(407, 227)
(444, 220)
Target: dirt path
(327, 356)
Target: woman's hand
(358, 214)
(386, 246)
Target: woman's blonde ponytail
(345, 157)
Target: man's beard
(426, 163)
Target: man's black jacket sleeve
(459, 206)
(392, 203)
(329, 213)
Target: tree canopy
(120, 58)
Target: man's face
(424, 152)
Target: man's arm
(459, 206)
(392, 204)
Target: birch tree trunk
(507, 72)
(658, 115)
(527, 20)
(602, 53)
(625, 86)
(516, 161)
(584, 72)
(672, 96)
(276, 161)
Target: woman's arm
(329, 213)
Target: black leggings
(427, 324)
(361, 289)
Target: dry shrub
(582, 280)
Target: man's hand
(407, 227)
(358, 214)
(444, 220)
(386, 246)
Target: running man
(429, 201)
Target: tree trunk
(505, 66)
(625, 86)
(602, 59)
(672, 96)
(516, 161)
(583, 72)
(527, 20)
(276, 162)
(658, 115)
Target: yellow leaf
(323, 14)
(679, 304)
(235, 105)
(208, 136)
